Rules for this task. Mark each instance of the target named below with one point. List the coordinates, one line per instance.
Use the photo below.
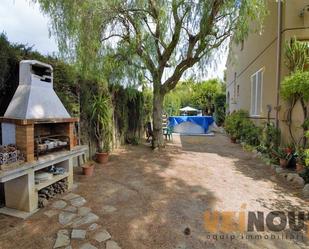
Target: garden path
(155, 200)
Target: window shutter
(253, 94)
(258, 93)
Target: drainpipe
(278, 68)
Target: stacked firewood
(51, 191)
(10, 154)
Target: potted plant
(281, 154)
(233, 124)
(88, 168)
(300, 160)
(101, 118)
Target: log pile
(51, 191)
(10, 154)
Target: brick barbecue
(36, 120)
(37, 129)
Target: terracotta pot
(283, 162)
(88, 169)
(233, 140)
(102, 157)
(299, 167)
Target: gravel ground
(157, 199)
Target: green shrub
(250, 133)
(296, 86)
(233, 123)
(306, 153)
(238, 126)
(271, 136)
(219, 103)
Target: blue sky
(23, 22)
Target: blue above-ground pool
(191, 124)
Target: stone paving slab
(88, 218)
(78, 234)
(102, 236)
(78, 202)
(66, 217)
(93, 227)
(88, 246)
(112, 245)
(109, 209)
(70, 209)
(82, 211)
(70, 196)
(51, 213)
(63, 238)
(59, 204)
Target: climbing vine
(295, 87)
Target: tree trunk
(157, 140)
(305, 128)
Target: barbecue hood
(35, 97)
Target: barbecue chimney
(35, 97)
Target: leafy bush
(250, 133)
(297, 54)
(101, 118)
(219, 103)
(271, 136)
(233, 123)
(238, 126)
(296, 86)
(306, 153)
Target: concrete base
(21, 191)
(16, 213)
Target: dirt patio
(147, 199)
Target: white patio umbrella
(188, 109)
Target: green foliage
(279, 153)
(207, 95)
(238, 126)
(126, 41)
(65, 84)
(147, 107)
(79, 93)
(204, 94)
(179, 97)
(297, 55)
(132, 109)
(101, 117)
(64, 75)
(250, 133)
(296, 86)
(219, 104)
(306, 153)
(271, 136)
(127, 26)
(233, 123)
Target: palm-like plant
(101, 117)
(297, 55)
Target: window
(234, 90)
(256, 93)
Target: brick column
(70, 133)
(25, 141)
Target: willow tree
(162, 39)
